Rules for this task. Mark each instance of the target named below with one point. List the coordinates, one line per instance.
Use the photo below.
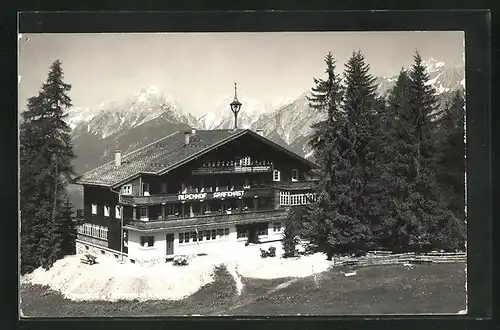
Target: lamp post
(235, 107)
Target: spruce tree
(400, 229)
(452, 153)
(293, 224)
(363, 111)
(68, 228)
(417, 217)
(45, 168)
(330, 222)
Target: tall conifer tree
(45, 168)
(417, 218)
(331, 221)
(364, 111)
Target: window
(181, 237)
(214, 234)
(143, 212)
(145, 189)
(127, 189)
(245, 161)
(262, 231)
(200, 236)
(106, 210)
(194, 236)
(169, 209)
(94, 208)
(207, 235)
(295, 175)
(147, 241)
(92, 230)
(276, 175)
(240, 233)
(186, 237)
(284, 198)
(276, 227)
(220, 232)
(163, 187)
(118, 213)
(226, 231)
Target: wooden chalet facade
(192, 192)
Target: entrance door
(170, 244)
(253, 236)
(224, 206)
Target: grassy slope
(374, 290)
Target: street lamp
(235, 107)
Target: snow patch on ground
(111, 280)
(233, 270)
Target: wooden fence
(388, 258)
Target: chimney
(186, 137)
(118, 157)
(260, 131)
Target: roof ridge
(197, 153)
(148, 145)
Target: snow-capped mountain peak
(443, 76)
(143, 104)
(220, 116)
(432, 65)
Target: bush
(271, 252)
(180, 261)
(263, 253)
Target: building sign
(252, 168)
(226, 194)
(262, 168)
(189, 197)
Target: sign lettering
(225, 194)
(185, 197)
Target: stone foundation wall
(83, 248)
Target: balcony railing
(234, 218)
(172, 198)
(268, 167)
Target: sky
(199, 69)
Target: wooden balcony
(173, 198)
(207, 220)
(232, 169)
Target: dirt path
(248, 301)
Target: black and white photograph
(242, 173)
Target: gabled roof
(166, 154)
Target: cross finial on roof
(235, 92)
(235, 106)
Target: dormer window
(245, 161)
(295, 175)
(127, 189)
(276, 175)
